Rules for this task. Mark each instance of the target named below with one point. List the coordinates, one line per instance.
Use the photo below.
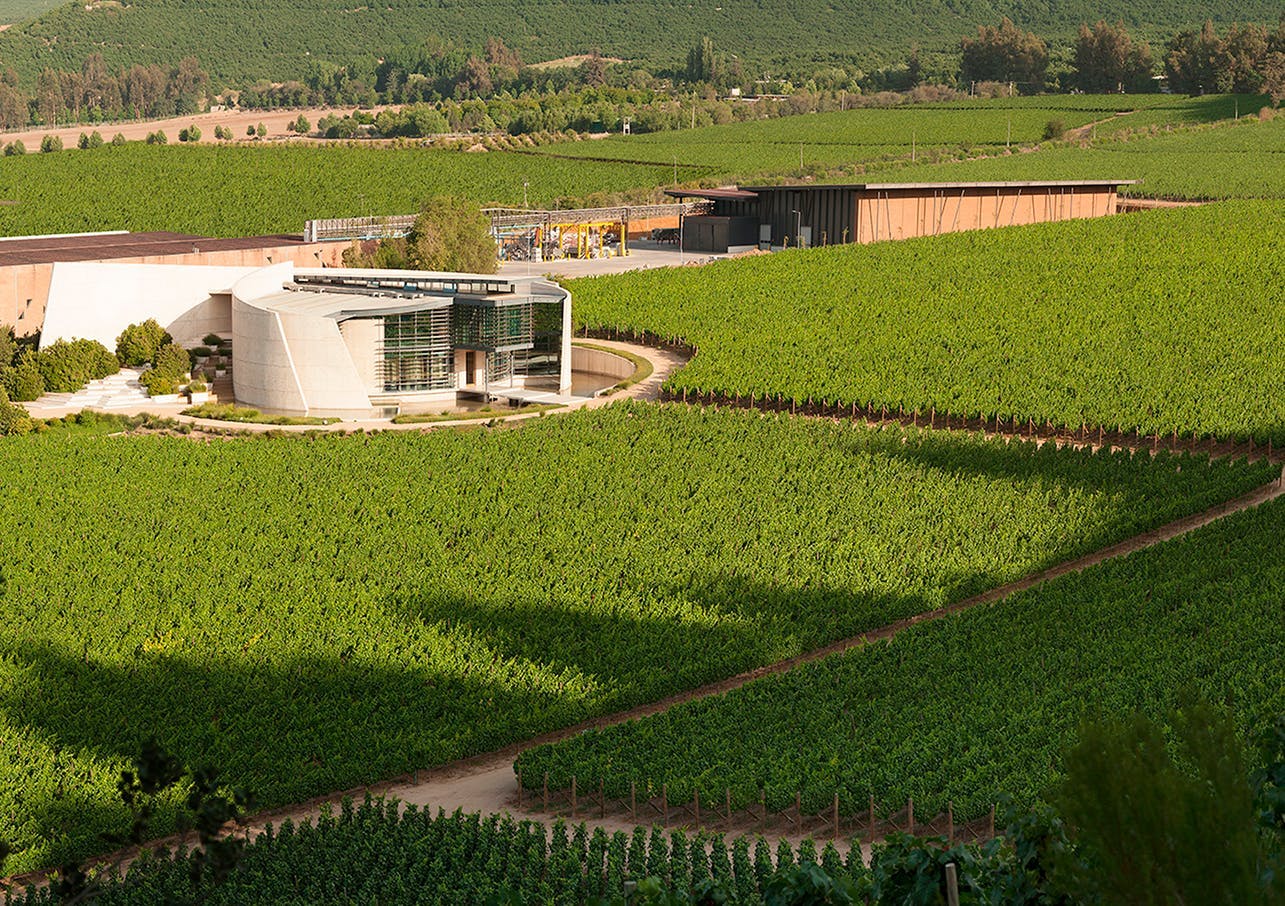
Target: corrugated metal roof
(110, 246)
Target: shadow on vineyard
(737, 615)
(352, 609)
(322, 710)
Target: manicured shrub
(157, 383)
(172, 360)
(23, 382)
(212, 339)
(14, 419)
(138, 343)
(68, 366)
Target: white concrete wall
(363, 337)
(96, 301)
(327, 377)
(595, 361)
(262, 373)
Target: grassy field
(246, 190)
(858, 139)
(308, 614)
(1238, 160)
(980, 705)
(12, 11)
(1161, 322)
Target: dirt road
(238, 121)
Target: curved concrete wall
(262, 374)
(595, 361)
(292, 363)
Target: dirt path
(237, 120)
(486, 782)
(664, 362)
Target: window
(417, 352)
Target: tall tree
(452, 234)
(1005, 54)
(1195, 62)
(702, 62)
(1106, 59)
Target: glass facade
(418, 353)
(545, 355)
(489, 327)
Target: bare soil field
(275, 121)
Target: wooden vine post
(836, 814)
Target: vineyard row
(1094, 436)
(840, 820)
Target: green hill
(239, 41)
(21, 10)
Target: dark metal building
(810, 215)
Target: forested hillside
(240, 41)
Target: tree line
(494, 89)
(97, 93)
(1248, 59)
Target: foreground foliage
(1172, 321)
(312, 613)
(971, 708)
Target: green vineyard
(248, 190)
(1240, 160)
(978, 706)
(857, 140)
(313, 613)
(1124, 322)
(374, 853)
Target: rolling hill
(240, 41)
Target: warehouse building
(792, 216)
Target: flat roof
(109, 246)
(886, 186)
(728, 194)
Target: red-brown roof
(108, 246)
